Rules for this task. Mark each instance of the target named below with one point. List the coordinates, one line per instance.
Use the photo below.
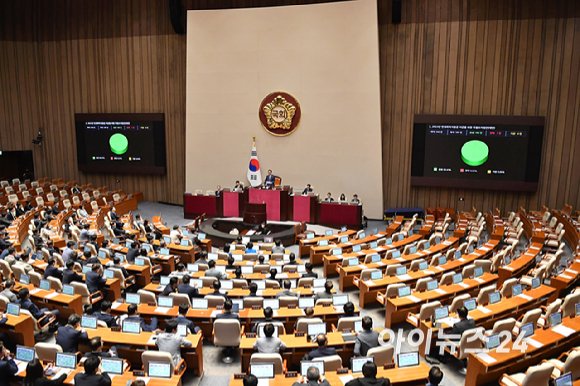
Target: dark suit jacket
(32, 308)
(362, 381)
(92, 379)
(463, 325)
(105, 318)
(270, 180)
(180, 319)
(8, 369)
(68, 338)
(132, 253)
(100, 354)
(94, 281)
(227, 315)
(311, 383)
(188, 290)
(52, 271)
(167, 290)
(310, 274)
(320, 352)
(70, 275)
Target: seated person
(329, 197)
(95, 280)
(171, 287)
(170, 342)
(309, 272)
(287, 291)
(292, 258)
(96, 346)
(307, 189)
(228, 314)
(218, 191)
(312, 378)
(201, 258)
(182, 319)
(355, 199)
(52, 270)
(90, 376)
(35, 375)
(273, 273)
(369, 371)
(9, 290)
(187, 289)
(250, 248)
(105, 314)
(117, 265)
(8, 368)
(348, 309)
(269, 344)
(212, 271)
(435, 376)
(322, 350)
(69, 336)
(23, 263)
(366, 339)
(278, 248)
(253, 287)
(89, 259)
(464, 323)
(231, 263)
(308, 314)
(326, 294)
(238, 273)
(216, 290)
(238, 186)
(268, 313)
(26, 303)
(69, 274)
(342, 198)
(133, 316)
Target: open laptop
(159, 370)
(66, 361)
(305, 365)
(24, 354)
(358, 363)
(564, 380)
(112, 365)
(262, 370)
(408, 359)
(492, 342)
(89, 322)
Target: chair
(47, 351)
(467, 344)
(276, 359)
(38, 329)
(367, 273)
(446, 278)
(347, 323)
(280, 325)
(532, 316)
(214, 301)
(286, 301)
(550, 309)
(55, 284)
(240, 283)
(506, 288)
(66, 203)
(569, 304)
(254, 301)
(179, 299)
(468, 271)
(415, 264)
(331, 363)
(6, 270)
(302, 324)
(25, 194)
(270, 284)
(555, 242)
(422, 284)
(305, 281)
(483, 295)
(485, 264)
(502, 325)
(35, 278)
(383, 355)
(17, 270)
(393, 290)
(458, 302)
(13, 198)
(227, 333)
(392, 269)
(164, 357)
(572, 364)
(118, 274)
(87, 298)
(536, 375)
(76, 200)
(39, 201)
(207, 281)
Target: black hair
(92, 364)
(435, 375)
(367, 323)
(170, 325)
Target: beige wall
(326, 55)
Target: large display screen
(121, 143)
(480, 152)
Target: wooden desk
(193, 356)
(428, 225)
(237, 292)
(305, 244)
(480, 372)
(67, 305)
(297, 347)
(255, 213)
(337, 214)
(195, 205)
(126, 205)
(521, 265)
(507, 308)
(348, 274)
(20, 328)
(566, 280)
(401, 377)
(398, 308)
(395, 226)
(369, 289)
(317, 252)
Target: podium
(255, 213)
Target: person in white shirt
(176, 235)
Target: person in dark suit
(8, 367)
(292, 258)
(69, 274)
(94, 280)
(355, 199)
(182, 319)
(270, 180)
(171, 287)
(464, 324)
(90, 377)
(369, 378)
(238, 186)
(307, 189)
(50, 248)
(250, 380)
(268, 313)
(133, 316)
(19, 210)
(51, 270)
(186, 289)
(322, 351)
(55, 210)
(201, 258)
(312, 378)
(105, 314)
(218, 191)
(216, 290)
(96, 346)
(76, 189)
(227, 314)
(329, 197)
(89, 259)
(117, 265)
(367, 339)
(309, 272)
(68, 337)
(26, 303)
(133, 252)
(35, 375)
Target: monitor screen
(131, 327)
(357, 363)
(164, 280)
(328, 232)
(227, 284)
(337, 251)
(457, 278)
(375, 258)
(112, 365)
(89, 322)
(396, 254)
(404, 291)
(536, 283)
(577, 309)
(261, 284)
(102, 255)
(343, 229)
(262, 370)
(272, 303)
(352, 262)
(373, 245)
(201, 236)
(470, 249)
(437, 240)
(412, 250)
(356, 248)
(376, 275)
(442, 260)
(24, 279)
(182, 330)
(339, 300)
(309, 236)
(492, 342)
(212, 256)
(121, 257)
(318, 283)
(44, 285)
(358, 326)
(432, 285)
(68, 361)
(469, 304)
(13, 309)
(184, 243)
(408, 359)
(401, 271)
(564, 380)
(165, 301)
(192, 267)
(388, 241)
(159, 370)
(305, 365)
(477, 152)
(555, 319)
(199, 304)
(441, 312)
(164, 251)
(494, 297)
(25, 354)
(133, 299)
(86, 269)
(517, 290)
(362, 235)
(305, 302)
(68, 289)
(478, 272)
(457, 255)
(139, 262)
(375, 231)
(527, 329)
(109, 274)
(146, 247)
(323, 243)
(344, 240)
(423, 266)
(316, 328)
(238, 304)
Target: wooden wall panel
(515, 57)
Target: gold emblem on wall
(280, 113)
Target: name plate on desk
(115, 329)
(239, 376)
(298, 333)
(138, 373)
(388, 366)
(256, 307)
(291, 306)
(342, 371)
(250, 335)
(291, 374)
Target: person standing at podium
(270, 180)
(218, 191)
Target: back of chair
(55, 284)
(302, 324)
(156, 356)
(532, 316)
(485, 264)
(6, 270)
(392, 269)
(468, 271)
(179, 299)
(276, 359)
(147, 297)
(214, 301)
(572, 364)
(47, 351)
(227, 333)
(503, 325)
(506, 288)
(286, 301)
(458, 302)
(240, 283)
(422, 283)
(483, 295)
(305, 281)
(253, 301)
(4, 302)
(468, 342)
(538, 375)
(366, 273)
(428, 310)
(447, 278)
(383, 355)
(331, 363)
(569, 305)
(347, 323)
(415, 264)
(17, 270)
(393, 290)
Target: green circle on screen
(119, 143)
(474, 153)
